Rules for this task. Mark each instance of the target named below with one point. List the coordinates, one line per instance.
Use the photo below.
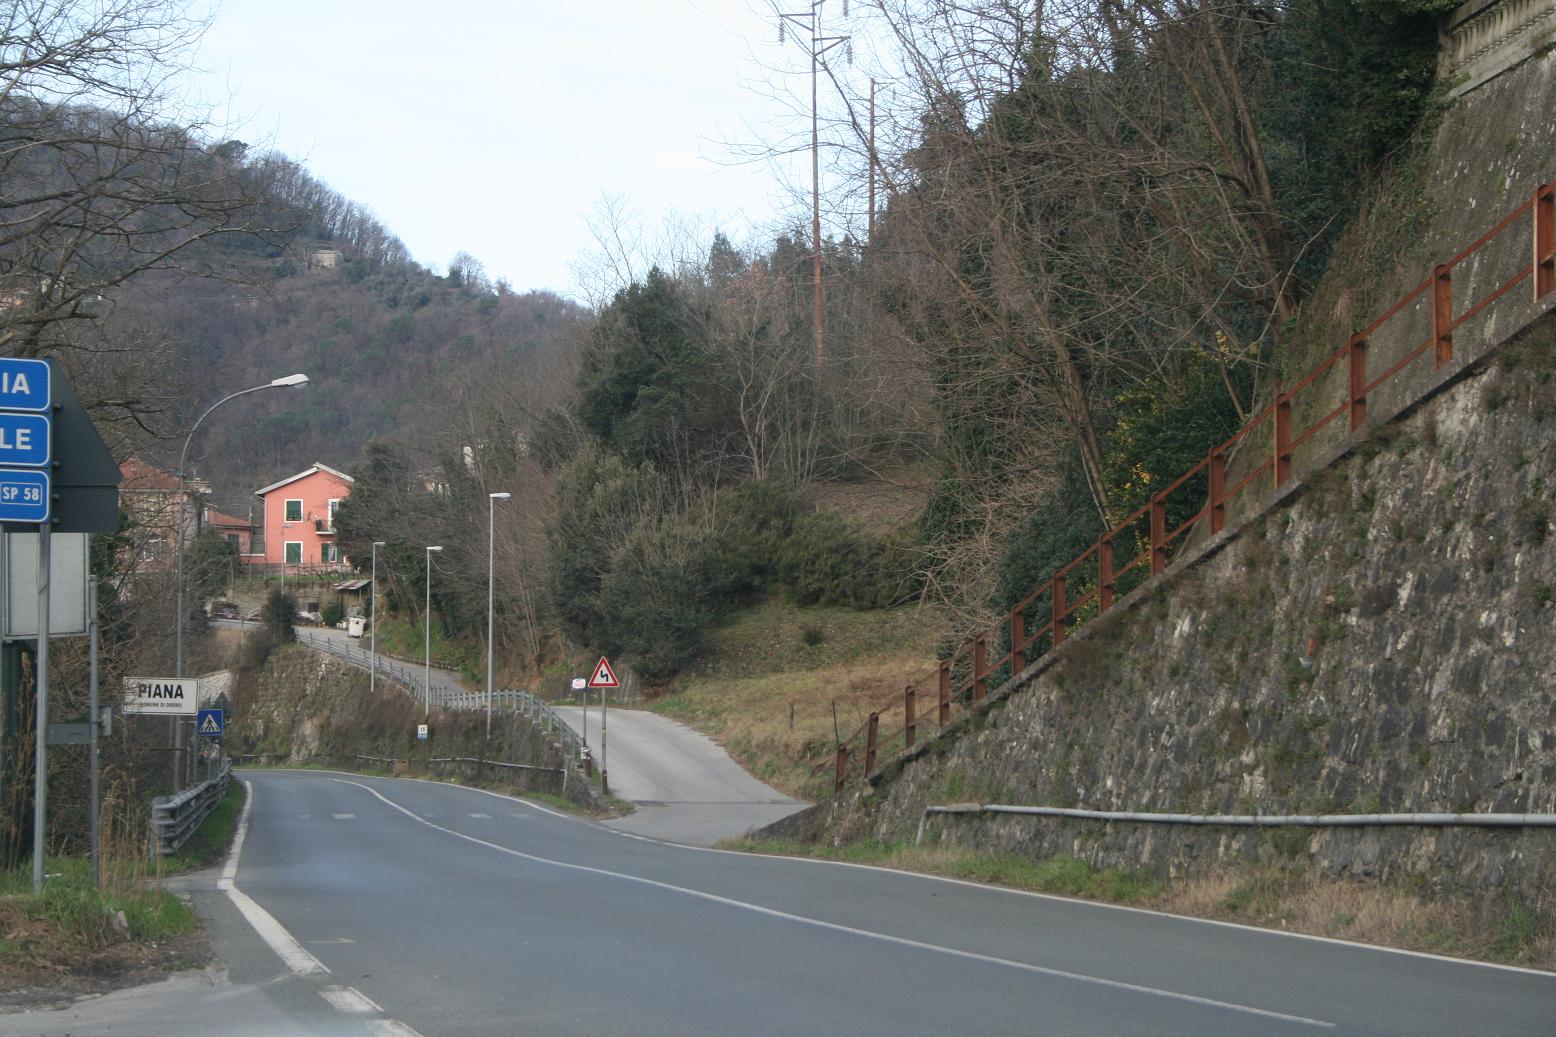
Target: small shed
(353, 596)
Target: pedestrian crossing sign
(209, 723)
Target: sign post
(26, 450)
(604, 678)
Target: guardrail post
(1018, 640)
(945, 693)
(1544, 209)
(909, 721)
(1358, 377)
(1282, 419)
(980, 686)
(842, 768)
(870, 736)
(1158, 534)
(1442, 314)
(1061, 627)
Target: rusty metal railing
(1089, 584)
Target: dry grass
(878, 506)
(766, 691)
(1301, 902)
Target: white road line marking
(293, 954)
(899, 941)
(488, 816)
(349, 999)
(286, 947)
(1284, 934)
(344, 817)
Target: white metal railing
(442, 695)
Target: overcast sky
(496, 126)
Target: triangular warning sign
(210, 725)
(604, 676)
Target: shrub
(825, 561)
(663, 591)
(333, 612)
(278, 614)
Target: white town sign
(172, 696)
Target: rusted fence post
(870, 736)
(1217, 490)
(1544, 239)
(1158, 534)
(1105, 572)
(980, 686)
(842, 768)
(1018, 640)
(1060, 626)
(1358, 366)
(909, 721)
(1442, 315)
(945, 693)
(1282, 418)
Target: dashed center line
(344, 817)
(487, 816)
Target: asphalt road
(684, 786)
(447, 910)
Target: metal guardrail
(175, 818)
(1421, 820)
(412, 683)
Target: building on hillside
(299, 520)
(149, 497)
(238, 532)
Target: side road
(685, 787)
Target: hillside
(387, 353)
(1375, 639)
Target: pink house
(299, 526)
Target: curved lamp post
(183, 460)
(426, 625)
(491, 583)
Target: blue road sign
(24, 385)
(24, 439)
(209, 723)
(24, 495)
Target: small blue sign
(24, 495)
(24, 439)
(24, 385)
(209, 723)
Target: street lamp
(491, 554)
(178, 619)
(426, 626)
(372, 621)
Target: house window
(329, 552)
(294, 552)
(334, 507)
(294, 511)
(232, 538)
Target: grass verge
(1065, 876)
(767, 689)
(1507, 931)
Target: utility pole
(816, 45)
